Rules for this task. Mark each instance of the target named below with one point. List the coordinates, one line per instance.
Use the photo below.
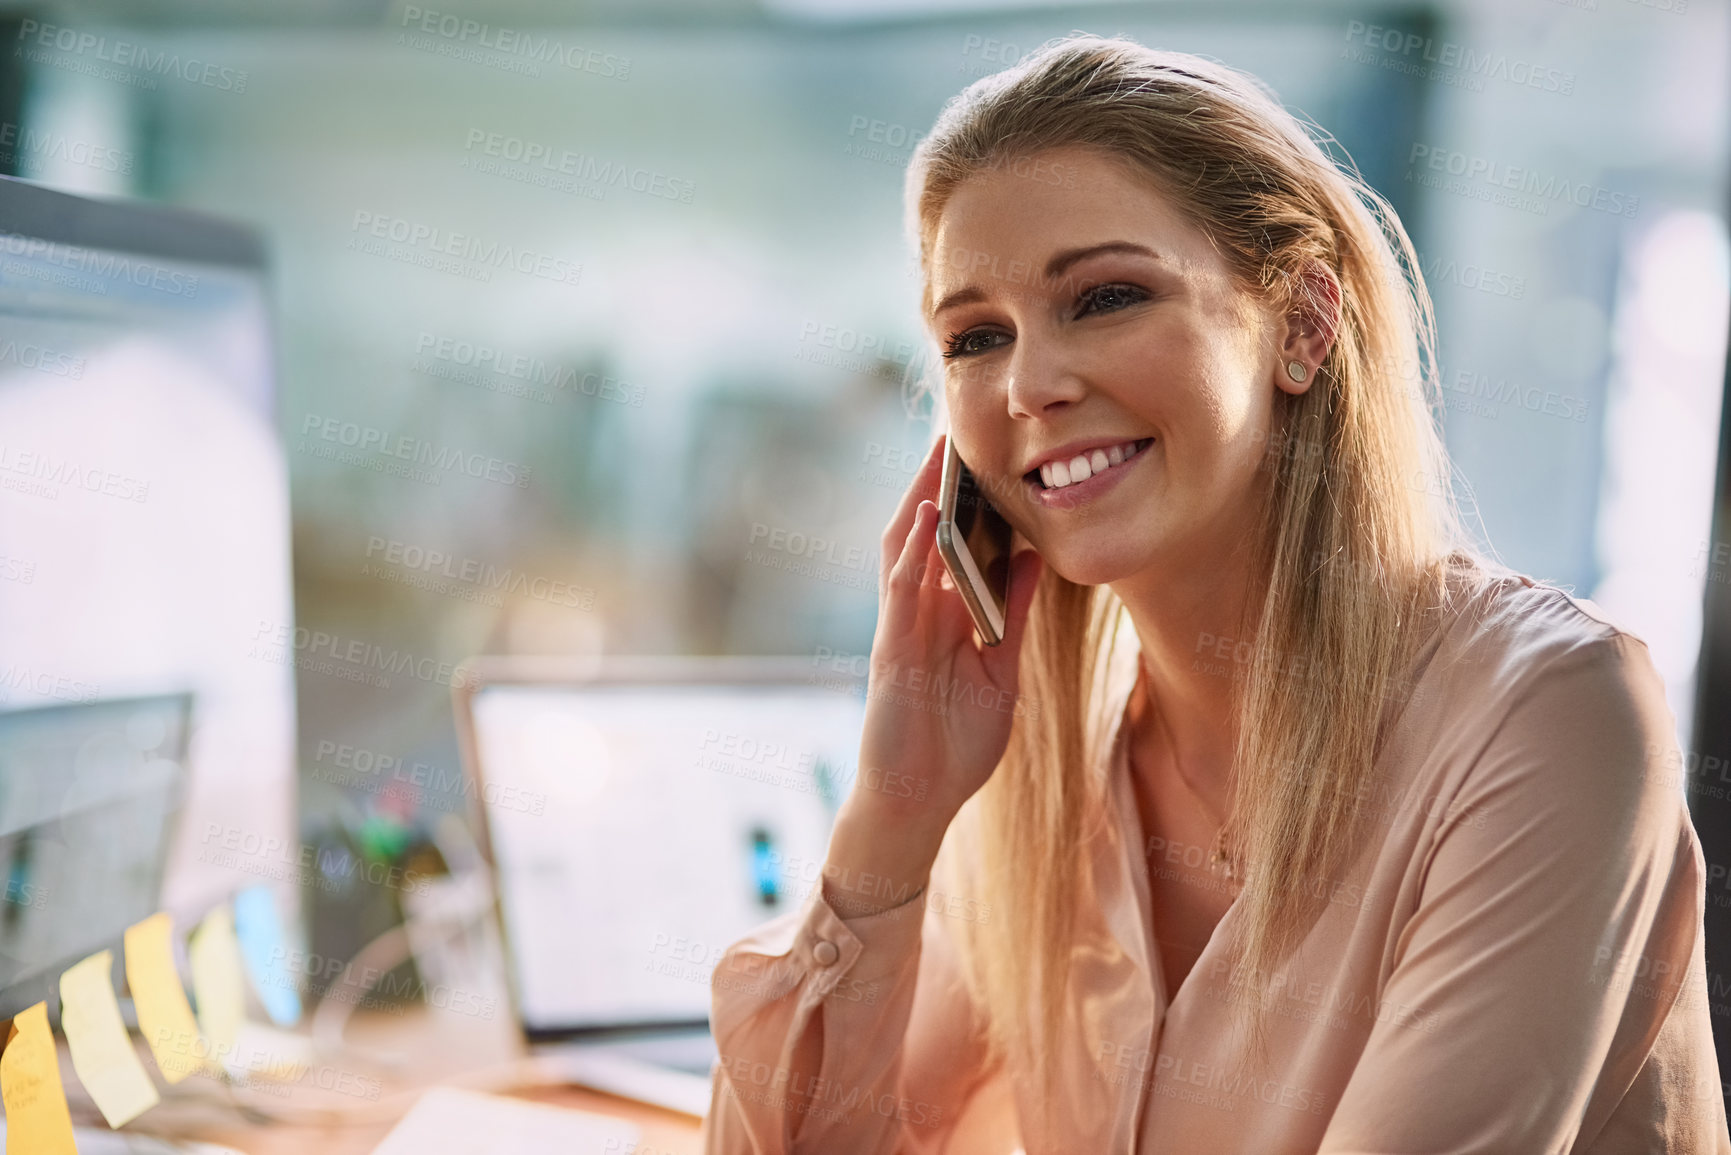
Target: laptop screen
(638, 829)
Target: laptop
(639, 815)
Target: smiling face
(1106, 379)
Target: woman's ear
(1311, 322)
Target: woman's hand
(938, 709)
(938, 704)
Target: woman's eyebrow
(1055, 268)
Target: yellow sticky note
(37, 1121)
(101, 1053)
(164, 1017)
(218, 983)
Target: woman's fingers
(933, 574)
(901, 606)
(923, 487)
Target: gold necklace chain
(1219, 860)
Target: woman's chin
(1093, 567)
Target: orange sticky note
(102, 1053)
(37, 1121)
(164, 1016)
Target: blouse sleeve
(853, 1035)
(1558, 918)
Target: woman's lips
(1061, 472)
(1079, 492)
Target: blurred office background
(604, 347)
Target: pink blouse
(1514, 966)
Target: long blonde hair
(1360, 526)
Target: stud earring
(1296, 370)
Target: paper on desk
(264, 1054)
(102, 1053)
(217, 983)
(262, 945)
(37, 1121)
(450, 1121)
(164, 1018)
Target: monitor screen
(637, 830)
(144, 512)
(88, 795)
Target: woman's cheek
(1014, 514)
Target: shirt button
(825, 952)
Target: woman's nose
(1040, 380)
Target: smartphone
(974, 541)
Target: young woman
(1280, 822)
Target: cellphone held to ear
(974, 540)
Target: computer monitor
(643, 814)
(88, 797)
(144, 510)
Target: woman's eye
(1098, 299)
(1105, 298)
(972, 341)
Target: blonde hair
(1360, 527)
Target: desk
(363, 1098)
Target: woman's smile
(1071, 478)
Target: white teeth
(1058, 474)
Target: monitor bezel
(29, 209)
